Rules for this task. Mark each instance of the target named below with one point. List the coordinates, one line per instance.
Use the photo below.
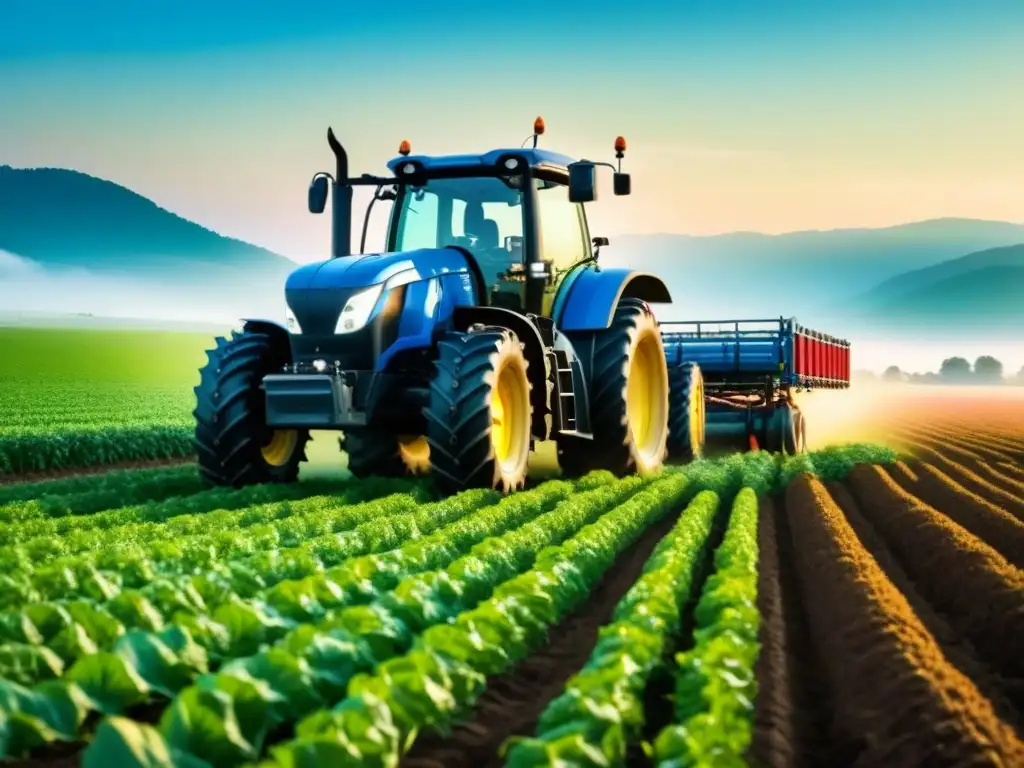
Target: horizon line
(726, 233)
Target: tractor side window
(458, 217)
(561, 229)
(417, 226)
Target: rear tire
(479, 413)
(233, 443)
(372, 452)
(629, 397)
(686, 414)
(800, 427)
(782, 430)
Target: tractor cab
(517, 213)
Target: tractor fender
(590, 295)
(533, 350)
(278, 333)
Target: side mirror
(582, 182)
(621, 183)
(318, 193)
(599, 241)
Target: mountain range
(77, 243)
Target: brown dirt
(970, 582)
(94, 469)
(957, 649)
(788, 705)
(991, 523)
(962, 439)
(53, 756)
(898, 701)
(968, 472)
(514, 701)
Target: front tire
(479, 413)
(686, 413)
(629, 397)
(233, 443)
(372, 452)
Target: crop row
(76, 520)
(155, 660)
(601, 710)
(210, 604)
(41, 405)
(445, 672)
(716, 685)
(253, 539)
(35, 451)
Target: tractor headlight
(291, 322)
(358, 309)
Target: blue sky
(768, 116)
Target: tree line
(957, 370)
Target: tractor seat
(488, 233)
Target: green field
(145, 621)
(149, 621)
(72, 397)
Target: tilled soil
(897, 701)
(514, 701)
(980, 592)
(789, 703)
(958, 650)
(980, 513)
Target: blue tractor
(486, 325)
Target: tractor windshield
(482, 215)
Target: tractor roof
(537, 159)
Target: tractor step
(566, 402)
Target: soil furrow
(958, 650)
(898, 701)
(788, 707)
(964, 472)
(93, 469)
(990, 523)
(514, 701)
(970, 582)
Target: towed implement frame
(750, 370)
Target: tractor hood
(370, 269)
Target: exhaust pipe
(341, 201)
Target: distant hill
(916, 281)
(980, 294)
(812, 275)
(68, 235)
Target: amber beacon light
(404, 148)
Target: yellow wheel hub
(510, 417)
(415, 453)
(647, 400)
(280, 448)
(697, 415)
